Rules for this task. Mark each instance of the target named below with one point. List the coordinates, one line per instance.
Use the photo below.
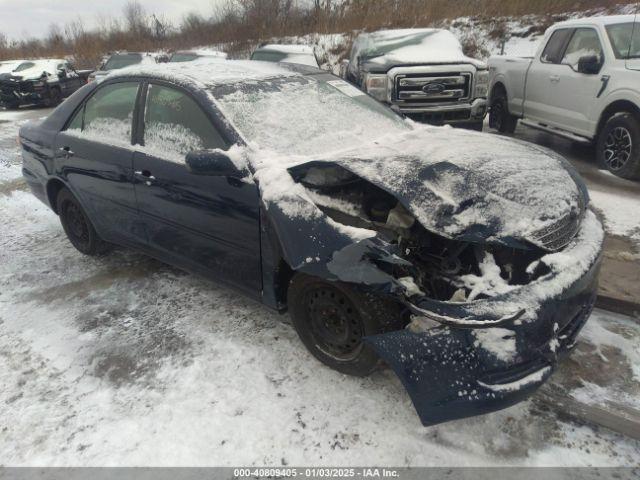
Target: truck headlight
(376, 86)
(482, 83)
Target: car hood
(477, 187)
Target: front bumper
(448, 114)
(17, 96)
(453, 372)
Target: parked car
(468, 262)
(191, 55)
(583, 84)
(40, 82)
(118, 60)
(422, 73)
(271, 52)
(9, 66)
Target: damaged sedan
(468, 263)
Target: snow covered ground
(122, 360)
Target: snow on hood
(388, 48)
(459, 184)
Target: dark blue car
(467, 262)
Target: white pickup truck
(582, 84)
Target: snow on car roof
(410, 46)
(203, 52)
(208, 71)
(604, 20)
(49, 66)
(287, 48)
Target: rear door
(95, 156)
(204, 223)
(574, 95)
(542, 77)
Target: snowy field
(122, 360)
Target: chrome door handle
(554, 78)
(67, 152)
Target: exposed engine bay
(436, 267)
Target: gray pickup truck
(422, 73)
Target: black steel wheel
(332, 318)
(618, 147)
(499, 117)
(77, 226)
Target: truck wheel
(331, 318)
(12, 105)
(77, 226)
(618, 147)
(499, 116)
(54, 99)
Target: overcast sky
(31, 18)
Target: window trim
(84, 102)
(563, 48)
(139, 118)
(566, 46)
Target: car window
(174, 125)
(108, 114)
(625, 40)
(24, 66)
(584, 42)
(116, 62)
(268, 56)
(183, 57)
(553, 50)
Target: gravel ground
(121, 360)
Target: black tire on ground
(54, 99)
(476, 126)
(331, 318)
(12, 105)
(618, 146)
(77, 225)
(499, 117)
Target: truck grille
(436, 88)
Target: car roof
(206, 72)
(287, 48)
(603, 21)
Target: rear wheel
(618, 147)
(54, 99)
(499, 116)
(77, 226)
(332, 318)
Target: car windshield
(120, 61)
(183, 57)
(306, 115)
(625, 39)
(24, 66)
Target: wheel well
(498, 88)
(619, 106)
(53, 188)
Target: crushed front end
(487, 318)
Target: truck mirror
(589, 64)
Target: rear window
(268, 56)
(25, 66)
(552, 53)
(120, 61)
(625, 40)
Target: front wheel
(77, 226)
(618, 147)
(331, 319)
(499, 117)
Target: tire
(499, 117)
(618, 146)
(55, 97)
(12, 106)
(77, 226)
(475, 126)
(331, 318)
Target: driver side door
(206, 224)
(574, 95)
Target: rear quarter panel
(512, 73)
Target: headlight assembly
(377, 86)
(482, 84)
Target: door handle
(145, 176)
(66, 151)
(554, 78)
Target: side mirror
(213, 163)
(589, 64)
(62, 73)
